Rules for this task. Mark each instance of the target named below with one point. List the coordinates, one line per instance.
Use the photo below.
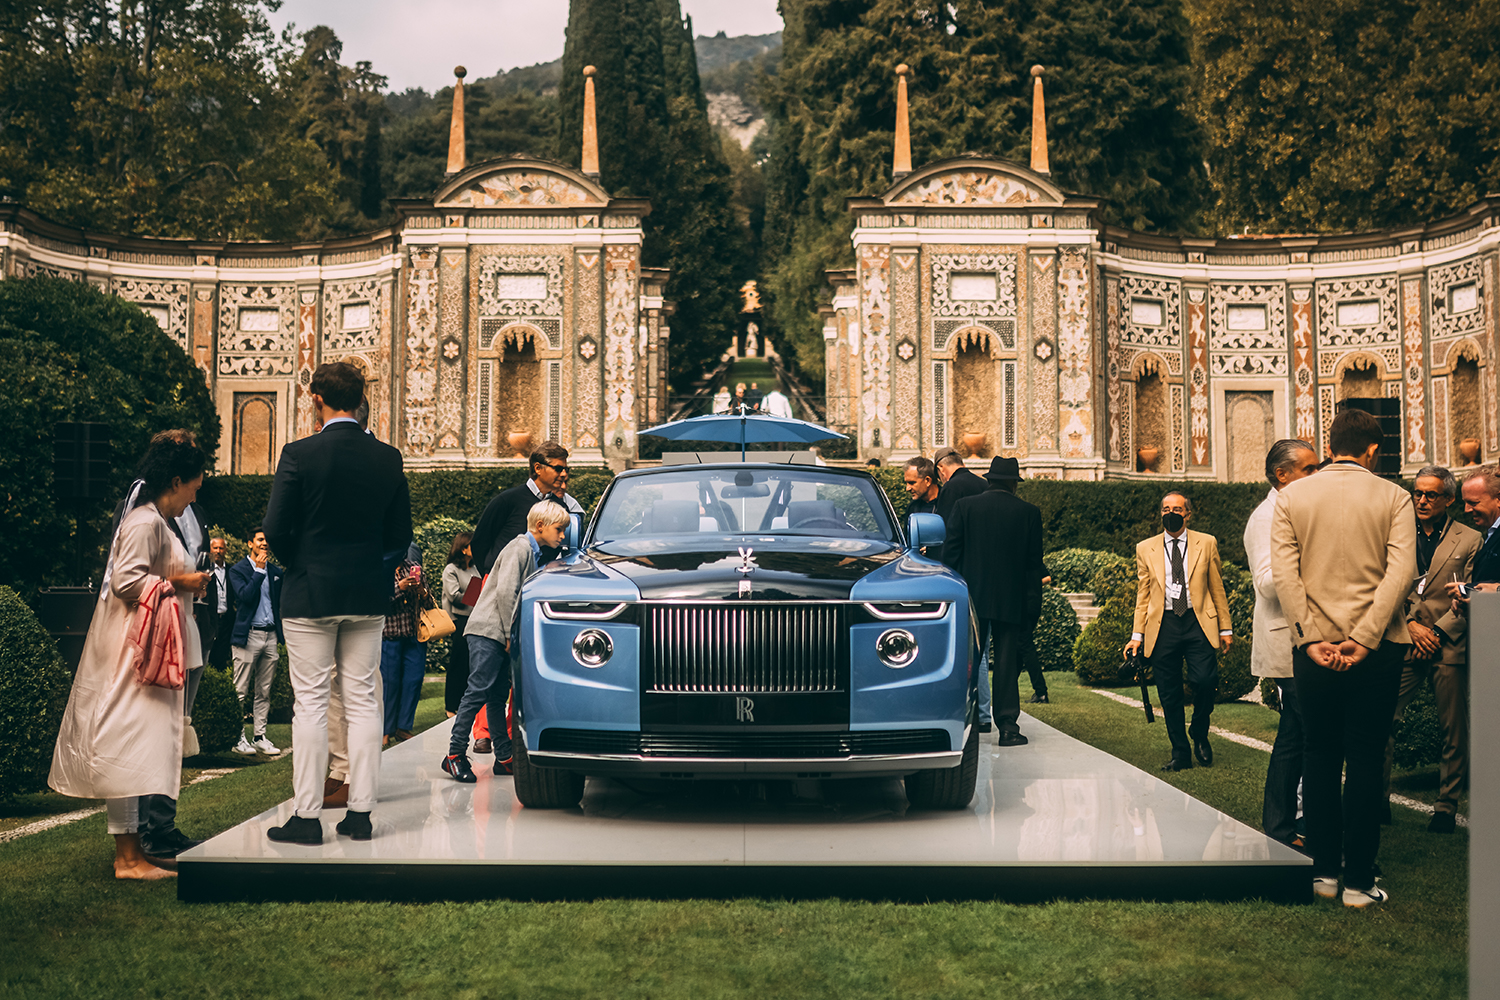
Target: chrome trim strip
(581, 616)
(955, 756)
(886, 616)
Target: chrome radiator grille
(766, 648)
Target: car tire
(950, 788)
(543, 787)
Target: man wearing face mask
(1181, 620)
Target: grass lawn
(72, 931)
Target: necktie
(1179, 602)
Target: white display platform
(1054, 819)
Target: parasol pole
(742, 433)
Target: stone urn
(520, 443)
(973, 443)
(1147, 456)
(1468, 450)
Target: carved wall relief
(1458, 298)
(421, 352)
(1416, 374)
(1303, 379)
(1198, 379)
(906, 397)
(257, 329)
(1357, 312)
(1247, 329)
(1044, 360)
(622, 271)
(587, 337)
(164, 301)
(1075, 362)
(874, 275)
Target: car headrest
(672, 516)
(811, 510)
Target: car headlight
(593, 648)
(896, 647)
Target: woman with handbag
(121, 737)
(458, 573)
(403, 657)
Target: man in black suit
(995, 544)
(339, 518)
(956, 482)
(219, 603)
(505, 516)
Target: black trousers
(1006, 665)
(457, 681)
(1347, 719)
(1278, 813)
(1033, 664)
(1183, 654)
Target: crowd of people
(751, 399)
(1361, 591)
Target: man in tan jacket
(1446, 551)
(1181, 618)
(1343, 556)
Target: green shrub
(1056, 631)
(1113, 573)
(281, 689)
(1098, 654)
(217, 716)
(1269, 696)
(34, 687)
(1072, 569)
(1235, 679)
(1419, 737)
(436, 538)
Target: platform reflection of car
(746, 621)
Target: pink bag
(155, 638)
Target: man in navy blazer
(339, 518)
(256, 585)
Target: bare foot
(143, 871)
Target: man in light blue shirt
(257, 631)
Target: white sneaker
(265, 746)
(244, 747)
(1359, 899)
(1326, 888)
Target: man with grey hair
(1271, 648)
(1446, 550)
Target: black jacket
(995, 544)
(503, 519)
(962, 483)
(1487, 562)
(244, 589)
(339, 520)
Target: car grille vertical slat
(765, 648)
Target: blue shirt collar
(340, 420)
(536, 548)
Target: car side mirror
(926, 529)
(575, 532)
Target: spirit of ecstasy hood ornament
(746, 567)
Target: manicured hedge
(34, 687)
(217, 717)
(1056, 631)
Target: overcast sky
(418, 44)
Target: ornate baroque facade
(509, 309)
(991, 311)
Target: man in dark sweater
(505, 517)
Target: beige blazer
(1344, 555)
(1271, 648)
(1205, 587)
(1432, 607)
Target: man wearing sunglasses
(505, 517)
(1446, 551)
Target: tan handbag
(433, 622)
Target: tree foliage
(1330, 115)
(69, 352)
(187, 119)
(655, 141)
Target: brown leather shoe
(338, 797)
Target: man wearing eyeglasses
(1446, 551)
(505, 517)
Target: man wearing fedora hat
(995, 543)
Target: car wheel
(543, 787)
(950, 788)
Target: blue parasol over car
(744, 428)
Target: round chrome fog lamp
(896, 647)
(592, 648)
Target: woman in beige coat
(121, 739)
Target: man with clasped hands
(1181, 619)
(1343, 555)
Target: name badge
(1421, 586)
(1174, 591)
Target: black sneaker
(457, 765)
(1442, 822)
(1040, 698)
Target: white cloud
(418, 44)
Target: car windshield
(790, 501)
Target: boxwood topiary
(217, 716)
(281, 690)
(34, 687)
(1419, 737)
(1113, 573)
(1235, 679)
(1072, 569)
(1056, 631)
(1098, 654)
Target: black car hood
(786, 569)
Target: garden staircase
(1083, 606)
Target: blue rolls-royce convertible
(746, 620)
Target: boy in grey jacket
(489, 634)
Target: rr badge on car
(744, 709)
(746, 567)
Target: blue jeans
(489, 684)
(403, 662)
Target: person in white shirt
(1271, 652)
(776, 404)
